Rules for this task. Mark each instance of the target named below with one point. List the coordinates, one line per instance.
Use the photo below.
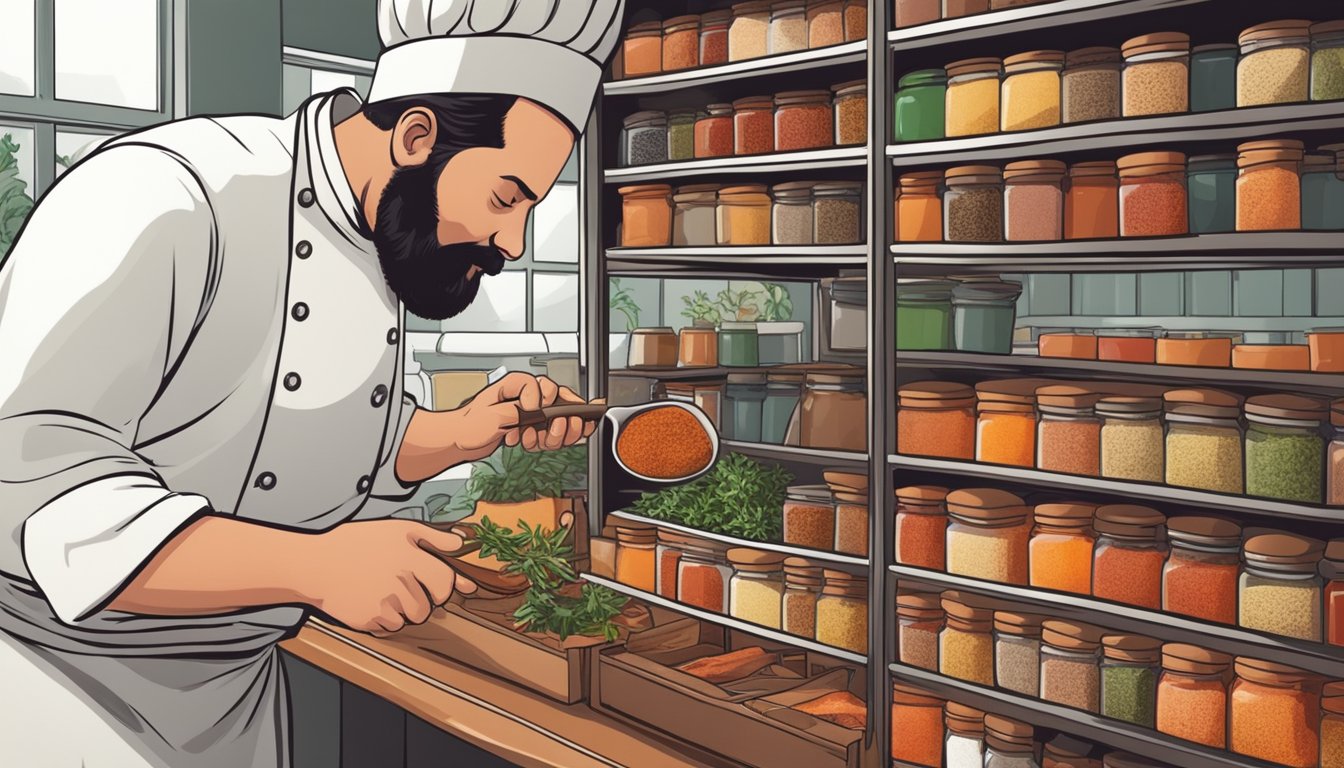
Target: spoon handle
(585, 411)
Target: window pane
(72, 147)
(555, 303)
(108, 53)
(555, 226)
(296, 87)
(325, 82)
(23, 156)
(17, 31)
(500, 306)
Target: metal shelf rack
(820, 556)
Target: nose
(511, 240)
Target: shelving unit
(797, 61)
(816, 555)
(810, 160)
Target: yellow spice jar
(1031, 90)
(973, 97)
(744, 215)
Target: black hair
(465, 120)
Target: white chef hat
(549, 51)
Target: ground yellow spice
(967, 656)
(1031, 100)
(842, 622)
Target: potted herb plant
(15, 202)
(781, 337)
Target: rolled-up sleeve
(97, 301)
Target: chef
(202, 425)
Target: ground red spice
(1132, 576)
(714, 47)
(755, 131)
(1334, 612)
(1193, 709)
(804, 127)
(702, 587)
(664, 443)
(1153, 208)
(947, 433)
(1070, 446)
(921, 540)
(1202, 590)
(714, 136)
(667, 574)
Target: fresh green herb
(737, 305)
(15, 202)
(623, 301)
(513, 475)
(778, 305)
(700, 310)
(739, 497)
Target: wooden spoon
(495, 583)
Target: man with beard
(201, 417)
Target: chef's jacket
(193, 320)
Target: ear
(413, 137)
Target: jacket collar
(334, 196)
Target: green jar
(1323, 189)
(739, 345)
(1129, 671)
(743, 403)
(782, 392)
(1211, 187)
(1327, 60)
(1213, 77)
(921, 100)
(923, 314)
(681, 135)
(1285, 447)
(983, 315)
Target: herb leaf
(739, 497)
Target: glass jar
(920, 106)
(1005, 430)
(1068, 439)
(919, 208)
(744, 217)
(636, 550)
(1332, 724)
(1275, 65)
(1130, 555)
(1033, 200)
(1269, 185)
(644, 139)
(681, 43)
(802, 590)
(936, 418)
(694, 215)
(703, 575)
(1067, 343)
(838, 209)
(642, 51)
(756, 590)
(1017, 652)
(842, 612)
(1070, 670)
(809, 517)
(987, 536)
(833, 412)
(972, 107)
(804, 120)
(1275, 713)
(923, 314)
(1200, 577)
(1204, 443)
(919, 620)
(973, 204)
(754, 125)
(1031, 90)
(668, 554)
(743, 401)
(851, 113)
(788, 27)
(1327, 60)
(749, 33)
(646, 216)
(1285, 447)
(917, 715)
(1153, 194)
(681, 135)
(921, 526)
(783, 389)
(825, 23)
(1009, 743)
(1205, 349)
(856, 20)
(1127, 345)
(1091, 85)
(1132, 439)
(1061, 547)
(910, 13)
(1323, 189)
(714, 37)
(851, 523)
(698, 347)
(965, 646)
(1335, 481)
(955, 9)
(1213, 77)
(964, 746)
(1065, 751)
(1192, 694)
(1280, 589)
(1211, 182)
(714, 132)
(983, 316)
(1130, 666)
(1156, 78)
(791, 217)
(1092, 205)
(739, 345)
(1332, 570)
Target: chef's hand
(375, 576)
(489, 419)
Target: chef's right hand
(375, 576)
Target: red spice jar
(921, 526)
(1152, 194)
(1276, 713)
(1092, 205)
(1130, 555)
(1332, 568)
(703, 575)
(1033, 200)
(1069, 436)
(856, 20)
(1269, 185)
(1127, 345)
(1192, 694)
(1200, 577)
(714, 37)
(642, 52)
(681, 43)
(754, 125)
(936, 418)
(917, 715)
(670, 545)
(714, 132)
(804, 120)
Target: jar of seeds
(1091, 85)
(791, 215)
(1017, 652)
(1156, 77)
(837, 206)
(1204, 447)
(1327, 60)
(1070, 672)
(973, 204)
(1280, 586)
(1131, 438)
(1275, 66)
(1285, 447)
(644, 139)
(1031, 90)
(851, 113)
(788, 27)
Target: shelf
(728, 621)
(1161, 494)
(671, 374)
(1125, 136)
(788, 549)
(1326, 660)
(793, 453)
(768, 261)
(1113, 733)
(811, 160)
(798, 61)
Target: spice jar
(912, 12)
(804, 120)
(698, 348)
(642, 51)
(923, 314)
(1127, 345)
(825, 23)
(965, 744)
(919, 208)
(851, 523)
(953, 9)
(643, 139)
(1033, 200)
(788, 27)
(1200, 577)
(681, 43)
(1196, 348)
(791, 216)
(1275, 65)
(842, 612)
(1327, 60)
(703, 575)
(1069, 436)
(917, 715)
(973, 204)
(749, 32)
(802, 589)
(668, 554)
(837, 207)
(919, 619)
(920, 106)
(744, 216)
(1152, 194)
(1130, 554)
(809, 517)
(851, 113)
(1269, 185)
(1156, 78)
(1335, 482)
(1006, 426)
(653, 348)
(756, 591)
(921, 526)
(1092, 205)
(1069, 344)
(1065, 751)
(1192, 694)
(646, 216)
(681, 135)
(714, 132)
(983, 316)
(694, 215)
(1332, 569)
(936, 419)
(1326, 349)
(973, 97)
(1130, 666)
(754, 125)
(856, 20)
(1213, 77)
(1061, 547)
(1031, 90)
(1332, 724)
(705, 394)
(714, 37)
(1009, 743)
(1017, 652)
(1070, 673)
(1285, 447)
(1091, 85)
(783, 389)
(1275, 713)
(1211, 181)
(1280, 590)
(965, 647)
(1323, 188)
(833, 412)
(739, 345)
(744, 401)
(635, 552)
(1132, 439)
(987, 535)
(1204, 447)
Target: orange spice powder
(1193, 709)
(1132, 576)
(1006, 438)
(664, 443)
(1062, 561)
(947, 433)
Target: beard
(430, 279)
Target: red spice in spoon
(665, 443)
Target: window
(107, 53)
(311, 72)
(17, 33)
(73, 146)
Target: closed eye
(499, 201)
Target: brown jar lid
(801, 566)
(1097, 54)
(1272, 151)
(787, 5)
(1158, 42)
(1288, 407)
(696, 189)
(1194, 660)
(632, 528)
(755, 560)
(802, 97)
(754, 102)
(646, 190)
(1033, 57)
(744, 189)
(1021, 391)
(1008, 731)
(926, 499)
(832, 574)
(921, 179)
(644, 28)
(715, 17)
(1018, 624)
(919, 601)
(914, 696)
(681, 21)
(1204, 531)
(1130, 521)
(1133, 648)
(1337, 413)
(987, 505)
(1065, 514)
(1030, 168)
(967, 606)
(974, 66)
(1281, 548)
(1071, 635)
(842, 89)
(1125, 405)
(963, 720)
(1332, 698)
(1066, 747)
(1275, 30)
(754, 6)
(1092, 168)
(1334, 551)
(1066, 396)
(1214, 403)
(1326, 27)
(679, 540)
(936, 394)
(1127, 760)
(845, 478)
(1150, 163)
(964, 174)
(1261, 671)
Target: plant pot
(781, 343)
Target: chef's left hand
(497, 406)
